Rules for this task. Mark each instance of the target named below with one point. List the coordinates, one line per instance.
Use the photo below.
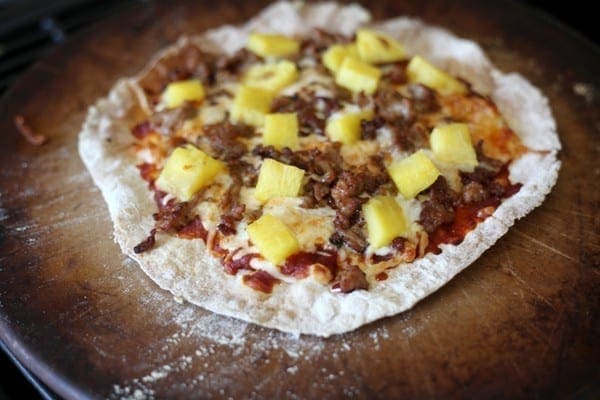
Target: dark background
(575, 16)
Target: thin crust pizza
(311, 170)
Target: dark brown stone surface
(521, 322)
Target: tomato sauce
(467, 216)
(148, 172)
(297, 265)
(233, 266)
(382, 276)
(261, 281)
(141, 130)
(194, 230)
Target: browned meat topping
(323, 163)
(229, 67)
(411, 138)
(319, 40)
(228, 223)
(167, 122)
(439, 209)
(146, 244)
(172, 217)
(347, 201)
(394, 108)
(487, 169)
(189, 61)
(349, 278)
(396, 74)
(222, 139)
(424, 99)
(368, 128)
(474, 192)
(345, 198)
(351, 237)
(312, 110)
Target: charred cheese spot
(486, 124)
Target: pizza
(311, 170)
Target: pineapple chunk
(421, 71)
(346, 128)
(281, 130)
(357, 76)
(176, 93)
(277, 180)
(274, 239)
(385, 220)
(452, 144)
(374, 47)
(186, 171)
(333, 57)
(272, 77)
(413, 174)
(272, 45)
(250, 105)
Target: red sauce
(142, 130)
(375, 259)
(148, 172)
(382, 276)
(512, 189)
(466, 219)
(261, 281)
(297, 265)
(233, 266)
(177, 141)
(194, 230)
(467, 216)
(218, 251)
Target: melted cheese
(359, 153)
(310, 226)
(322, 85)
(314, 227)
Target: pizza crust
(185, 269)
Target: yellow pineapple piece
(452, 144)
(186, 171)
(277, 179)
(345, 128)
(333, 57)
(413, 174)
(272, 77)
(272, 45)
(274, 239)
(374, 47)
(385, 220)
(281, 130)
(250, 105)
(421, 71)
(176, 93)
(357, 76)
